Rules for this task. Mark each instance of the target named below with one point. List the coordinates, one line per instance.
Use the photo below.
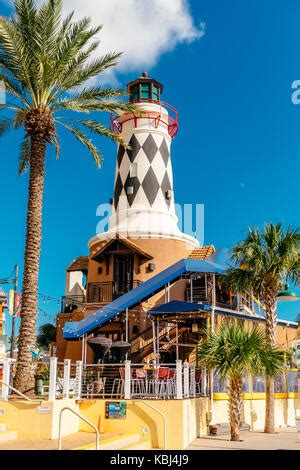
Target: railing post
(78, 386)
(186, 384)
(52, 379)
(127, 394)
(204, 383)
(67, 373)
(193, 381)
(6, 379)
(179, 379)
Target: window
(135, 93)
(145, 91)
(133, 170)
(155, 93)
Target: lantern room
(144, 89)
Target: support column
(127, 391)
(52, 379)
(67, 373)
(179, 379)
(6, 379)
(78, 388)
(186, 380)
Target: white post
(186, 381)
(154, 341)
(127, 394)
(157, 337)
(169, 292)
(204, 382)
(179, 379)
(78, 379)
(67, 372)
(52, 379)
(193, 381)
(6, 379)
(177, 348)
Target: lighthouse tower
(143, 204)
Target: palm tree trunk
(271, 321)
(235, 406)
(24, 379)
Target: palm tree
(47, 333)
(265, 260)
(232, 352)
(45, 61)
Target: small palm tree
(232, 352)
(265, 261)
(47, 334)
(45, 62)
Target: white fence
(125, 380)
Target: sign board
(44, 409)
(115, 410)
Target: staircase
(5, 435)
(130, 441)
(139, 353)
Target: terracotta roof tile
(202, 252)
(79, 264)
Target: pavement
(284, 439)
(68, 442)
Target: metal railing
(80, 417)
(20, 394)
(108, 291)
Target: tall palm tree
(232, 352)
(265, 260)
(45, 61)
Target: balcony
(97, 292)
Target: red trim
(172, 123)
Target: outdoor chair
(139, 383)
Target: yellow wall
(23, 416)
(185, 420)
(254, 412)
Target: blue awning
(216, 263)
(177, 306)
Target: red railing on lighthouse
(170, 120)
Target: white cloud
(143, 29)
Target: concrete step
(142, 445)
(6, 436)
(118, 442)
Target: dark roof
(126, 242)
(79, 264)
(178, 306)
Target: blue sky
(237, 150)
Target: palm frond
(85, 141)
(98, 128)
(24, 158)
(5, 126)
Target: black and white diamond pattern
(150, 151)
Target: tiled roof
(202, 252)
(79, 264)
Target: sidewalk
(285, 438)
